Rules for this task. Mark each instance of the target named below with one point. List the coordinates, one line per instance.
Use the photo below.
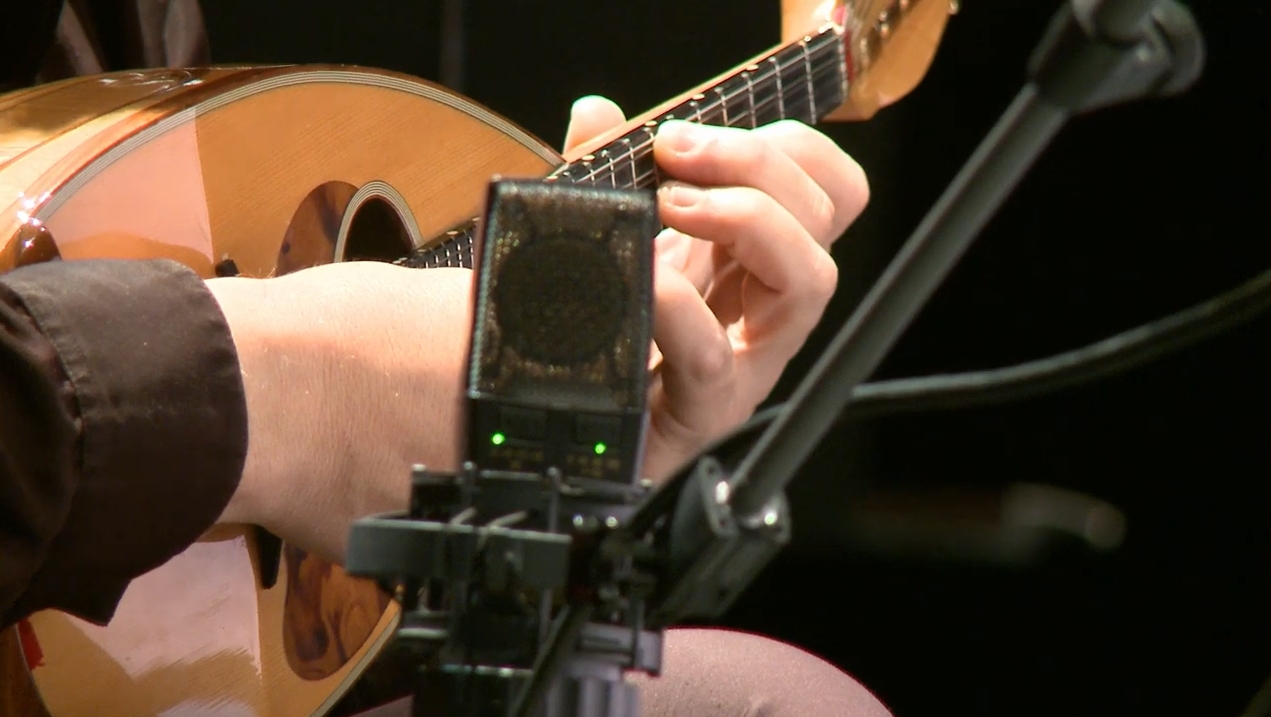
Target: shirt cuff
(159, 393)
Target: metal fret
(781, 99)
(613, 177)
(807, 64)
(651, 129)
(750, 93)
(626, 145)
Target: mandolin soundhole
(314, 229)
(377, 233)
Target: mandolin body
(258, 171)
(262, 171)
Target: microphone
(558, 369)
(493, 563)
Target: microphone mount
(495, 572)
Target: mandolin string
(613, 161)
(757, 105)
(609, 169)
(461, 241)
(636, 151)
(816, 74)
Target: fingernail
(682, 195)
(682, 137)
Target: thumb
(590, 117)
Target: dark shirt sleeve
(123, 428)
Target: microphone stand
(628, 569)
(1094, 54)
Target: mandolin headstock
(889, 45)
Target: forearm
(342, 401)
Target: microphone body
(503, 603)
(558, 368)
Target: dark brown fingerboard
(804, 80)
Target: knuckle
(822, 216)
(790, 128)
(850, 190)
(752, 152)
(711, 364)
(750, 208)
(798, 138)
(858, 179)
(673, 430)
(732, 210)
(823, 278)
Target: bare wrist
(281, 426)
(344, 392)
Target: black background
(1133, 213)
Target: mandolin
(261, 171)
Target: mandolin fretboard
(804, 80)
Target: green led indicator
(600, 449)
(498, 439)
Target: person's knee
(721, 673)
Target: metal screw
(722, 492)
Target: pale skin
(354, 372)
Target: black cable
(1116, 354)
(1121, 352)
